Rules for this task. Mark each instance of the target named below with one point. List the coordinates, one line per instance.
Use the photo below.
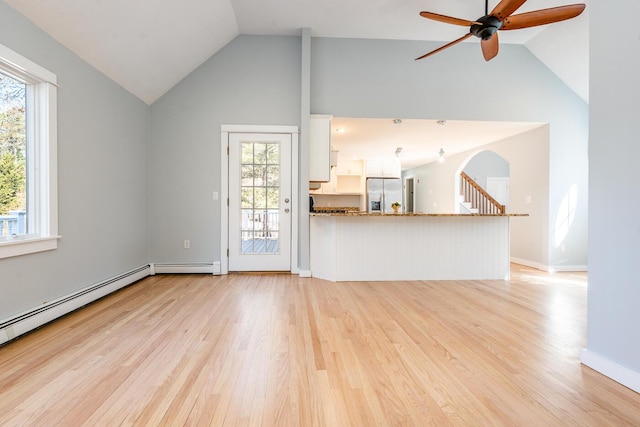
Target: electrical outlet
(187, 244)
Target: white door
(259, 202)
(498, 187)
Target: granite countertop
(402, 214)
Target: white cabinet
(349, 180)
(383, 168)
(350, 167)
(320, 148)
(350, 177)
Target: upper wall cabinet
(349, 167)
(387, 168)
(320, 148)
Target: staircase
(465, 207)
(475, 200)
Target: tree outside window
(13, 182)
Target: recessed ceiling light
(341, 130)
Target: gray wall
(486, 164)
(528, 157)
(102, 178)
(252, 80)
(614, 199)
(380, 79)
(256, 80)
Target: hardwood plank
(278, 350)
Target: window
(28, 171)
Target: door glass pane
(247, 175)
(273, 176)
(247, 154)
(260, 197)
(272, 198)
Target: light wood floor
(277, 350)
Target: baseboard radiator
(187, 268)
(22, 323)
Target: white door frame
(225, 130)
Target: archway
(490, 171)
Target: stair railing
(476, 195)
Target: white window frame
(42, 171)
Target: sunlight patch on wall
(566, 215)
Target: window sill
(24, 246)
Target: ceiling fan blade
(447, 19)
(542, 17)
(506, 8)
(490, 47)
(466, 36)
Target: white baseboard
(616, 372)
(548, 268)
(187, 268)
(561, 268)
(31, 319)
(527, 263)
(305, 273)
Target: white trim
(258, 129)
(294, 202)
(42, 156)
(49, 176)
(528, 263)
(305, 273)
(11, 248)
(188, 268)
(224, 187)
(611, 369)
(563, 268)
(25, 66)
(29, 320)
(548, 268)
(224, 201)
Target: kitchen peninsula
(360, 246)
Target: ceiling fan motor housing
(490, 25)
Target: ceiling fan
(500, 18)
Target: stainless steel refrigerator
(382, 192)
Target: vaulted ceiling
(147, 46)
